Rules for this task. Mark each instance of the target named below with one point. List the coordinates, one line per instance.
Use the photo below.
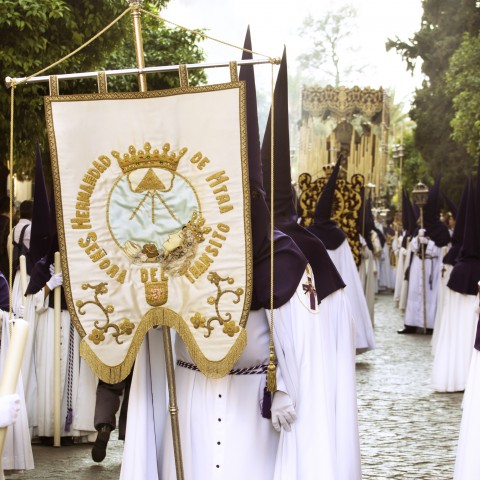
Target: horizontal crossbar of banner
(9, 81)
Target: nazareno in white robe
(17, 452)
(433, 265)
(467, 464)
(455, 340)
(343, 260)
(316, 355)
(83, 381)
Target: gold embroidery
(229, 325)
(144, 159)
(98, 332)
(346, 204)
(159, 315)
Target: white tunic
(81, 394)
(343, 260)
(433, 264)
(220, 419)
(467, 465)
(455, 340)
(17, 452)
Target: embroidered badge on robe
(152, 202)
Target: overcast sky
(277, 23)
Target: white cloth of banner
(342, 258)
(433, 264)
(17, 451)
(154, 224)
(467, 464)
(455, 341)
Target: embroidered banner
(152, 199)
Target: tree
(463, 84)
(443, 25)
(35, 34)
(329, 38)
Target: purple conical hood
(40, 236)
(327, 278)
(466, 272)
(451, 205)
(435, 229)
(287, 255)
(457, 238)
(324, 227)
(283, 201)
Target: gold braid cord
(346, 204)
(272, 370)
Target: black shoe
(407, 329)
(99, 449)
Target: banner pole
(57, 380)
(170, 370)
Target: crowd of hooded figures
(437, 287)
(232, 427)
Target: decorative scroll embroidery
(230, 328)
(98, 332)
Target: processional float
(153, 216)
(352, 123)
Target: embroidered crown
(197, 226)
(147, 158)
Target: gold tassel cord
(272, 370)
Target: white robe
(147, 412)
(17, 452)
(368, 277)
(319, 361)
(455, 340)
(433, 264)
(83, 381)
(343, 260)
(467, 464)
(400, 272)
(442, 288)
(402, 303)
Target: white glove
(51, 269)
(9, 408)
(20, 313)
(423, 240)
(283, 412)
(55, 281)
(421, 232)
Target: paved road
(407, 431)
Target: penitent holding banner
(152, 199)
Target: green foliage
(327, 40)
(35, 34)
(463, 84)
(443, 25)
(415, 169)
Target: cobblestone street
(407, 431)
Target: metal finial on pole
(420, 197)
(137, 32)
